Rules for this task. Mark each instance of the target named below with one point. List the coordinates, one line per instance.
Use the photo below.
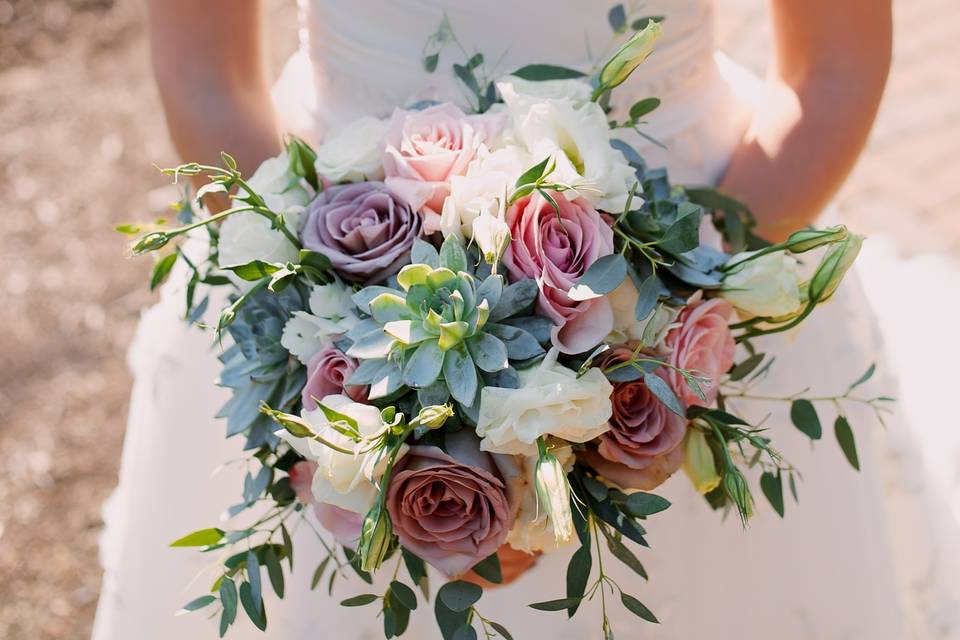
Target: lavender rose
(326, 373)
(364, 231)
(453, 509)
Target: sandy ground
(79, 127)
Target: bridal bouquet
(449, 332)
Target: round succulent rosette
(555, 247)
(363, 229)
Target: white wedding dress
(864, 556)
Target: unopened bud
(834, 266)
(433, 417)
(698, 463)
(375, 538)
(629, 57)
(553, 492)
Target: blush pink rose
(326, 373)
(703, 344)
(450, 511)
(424, 149)
(646, 479)
(342, 524)
(556, 250)
(642, 429)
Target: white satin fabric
(864, 556)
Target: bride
(859, 557)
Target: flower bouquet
(452, 331)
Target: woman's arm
(208, 58)
(829, 67)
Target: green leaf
(452, 255)
(772, 487)
(253, 606)
(501, 630)
(129, 229)
(228, 597)
(602, 277)
(647, 295)
(641, 504)
(683, 235)
(423, 367)
(199, 603)
(162, 269)
(560, 604)
(804, 417)
(488, 352)
(253, 270)
(866, 376)
(201, 538)
(746, 367)
(449, 621)
(624, 555)
(359, 601)
(643, 107)
(459, 595)
(287, 545)
(253, 576)
(274, 570)
(317, 262)
(541, 72)
(641, 23)
(424, 253)
(318, 574)
(461, 376)
(637, 608)
(848, 445)
(430, 62)
(664, 393)
(515, 299)
(489, 569)
(404, 594)
(578, 573)
(466, 632)
(532, 174)
(617, 17)
(597, 490)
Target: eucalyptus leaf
(489, 569)
(746, 367)
(201, 538)
(772, 487)
(804, 417)
(253, 606)
(637, 608)
(664, 393)
(542, 72)
(359, 601)
(162, 269)
(578, 573)
(602, 277)
(643, 107)
(459, 595)
(561, 604)
(617, 17)
(845, 439)
(642, 504)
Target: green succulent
(440, 332)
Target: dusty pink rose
(326, 373)
(647, 479)
(424, 149)
(451, 509)
(342, 524)
(556, 250)
(642, 429)
(702, 343)
(364, 231)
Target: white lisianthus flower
(767, 286)
(551, 400)
(353, 153)
(332, 313)
(578, 139)
(532, 529)
(577, 91)
(248, 236)
(343, 480)
(652, 330)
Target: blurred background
(80, 124)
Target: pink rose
(326, 373)
(642, 429)
(424, 149)
(342, 524)
(452, 509)
(556, 250)
(647, 479)
(702, 344)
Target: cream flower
(651, 331)
(767, 286)
(577, 91)
(332, 313)
(550, 401)
(532, 530)
(343, 480)
(577, 137)
(353, 153)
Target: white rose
(767, 286)
(551, 400)
(353, 153)
(578, 138)
(651, 331)
(280, 188)
(343, 480)
(532, 529)
(332, 313)
(577, 91)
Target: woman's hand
(208, 58)
(513, 564)
(829, 67)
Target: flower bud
(808, 239)
(151, 242)
(833, 267)
(375, 537)
(631, 54)
(765, 286)
(553, 492)
(434, 416)
(735, 486)
(492, 235)
(698, 463)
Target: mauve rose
(364, 231)
(642, 429)
(453, 509)
(424, 149)
(703, 344)
(326, 372)
(647, 479)
(556, 250)
(342, 524)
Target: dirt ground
(79, 127)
